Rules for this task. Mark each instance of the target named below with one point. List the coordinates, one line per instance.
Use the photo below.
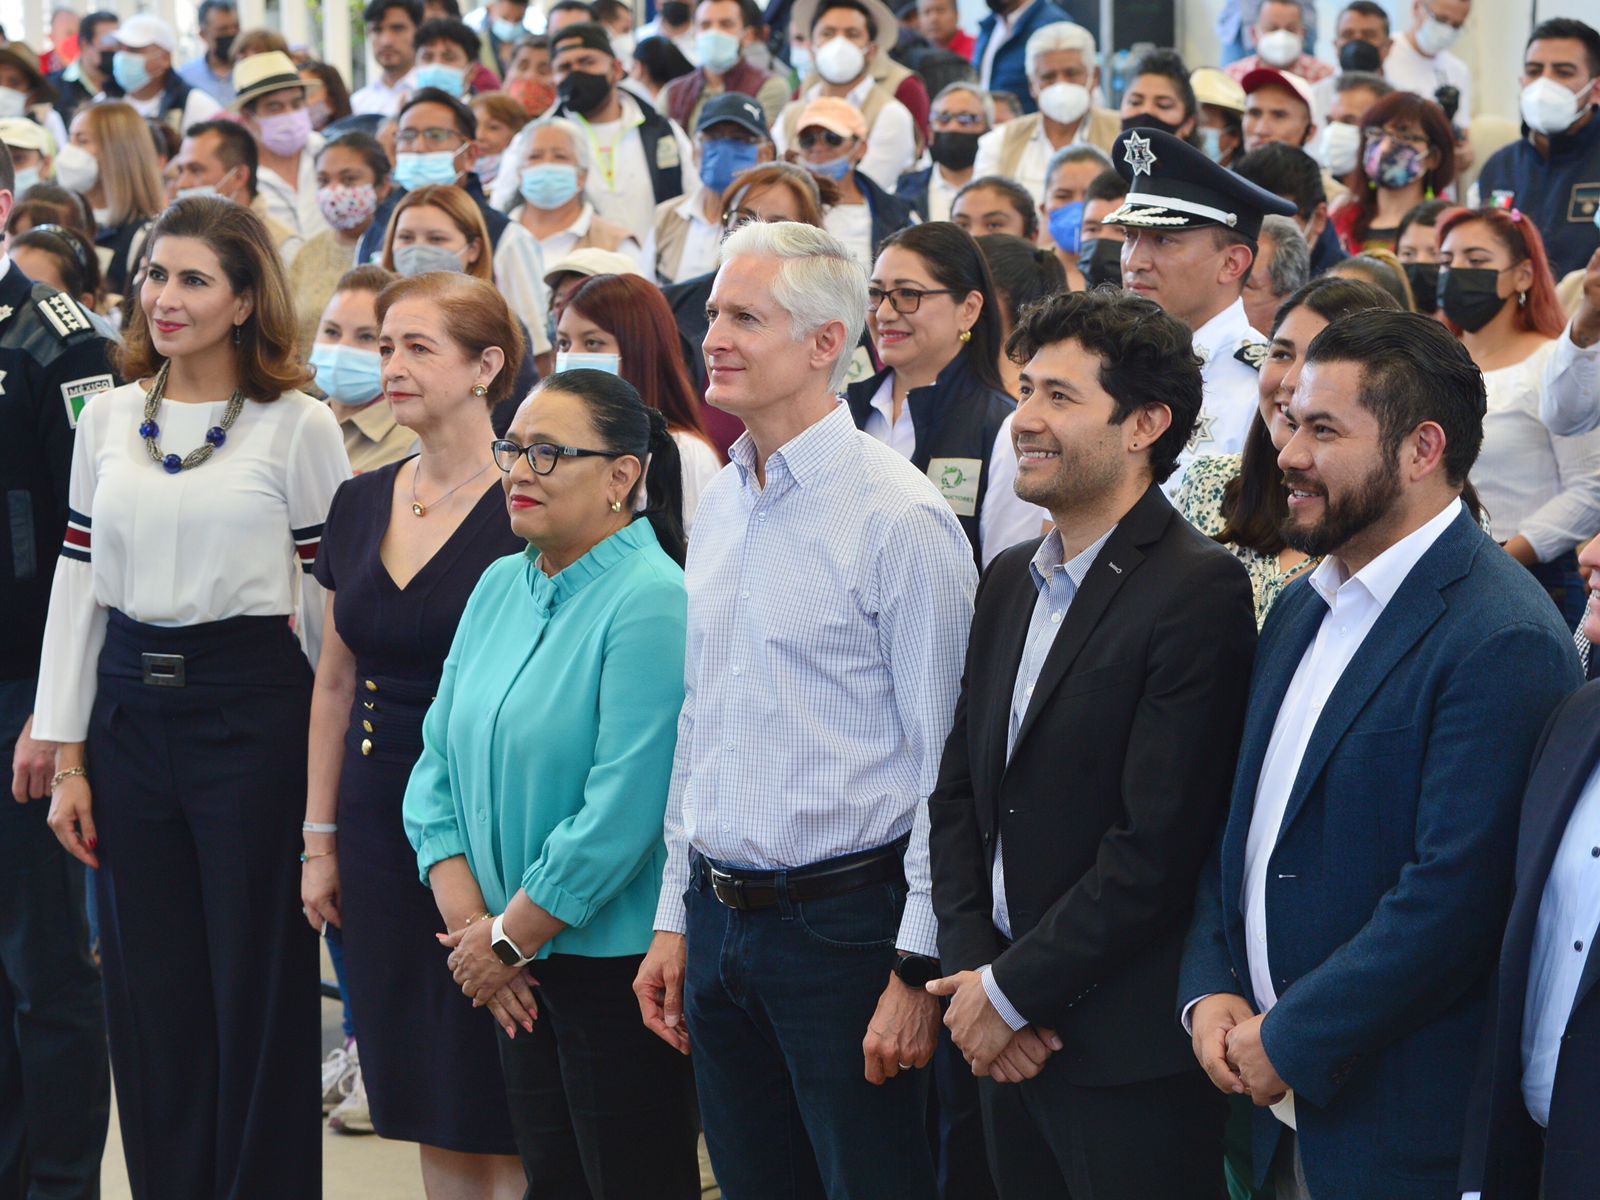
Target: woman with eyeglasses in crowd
(934, 316)
(536, 807)
(1407, 156)
(403, 546)
(621, 324)
(1542, 492)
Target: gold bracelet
(304, 857)
(470, 921)
(55, 780)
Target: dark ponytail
(627, 425)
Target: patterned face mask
(347, 207)
(1393, 164)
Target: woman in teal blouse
(539, 796)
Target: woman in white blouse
(622, 324)
(178, 692)
(1541, 492)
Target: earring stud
(479, 390)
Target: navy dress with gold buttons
(428, 1058)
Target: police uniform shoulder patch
(63, 313)
(5, 312)
(1252, 354)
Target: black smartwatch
(916, 970)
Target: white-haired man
(830, 592)
(1062, 78)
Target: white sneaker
(351, 1116)
(340, 1063)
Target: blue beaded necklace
(151, 432)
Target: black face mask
(582, 92)
(1146, 121)
(1469, 296)
(675, 12)
(1100, 260)
(224, 47)
(1000, 7)
(1359, 56)
(1424, 278)
(954, 151)
(106, 57)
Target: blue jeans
(777, 1002)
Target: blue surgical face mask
(1211, 142)
(723, 158)
(800, 60)
(718, 51)
(128, 69)
(348, 374)
(571, 360)
(1066, 226)
(505, 31)
(26, 178)
(419, 258)
(450, 80)
(835, 170)
(549, 185)
(412, 171)
(206, 191)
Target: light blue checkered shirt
(1058, 585)
(828, 620)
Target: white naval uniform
(1232, 388)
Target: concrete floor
(353, 1168)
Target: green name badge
(957, 481)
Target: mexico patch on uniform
(76, 394)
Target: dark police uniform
(1558, 192)
(55, 1098)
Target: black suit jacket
(1114, 793)
(1502, 1156)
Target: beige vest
(880, 95)
(672, 235)
(1104, 126)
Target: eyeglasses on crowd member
(181, 768)
(1407, 156)
(403, 548)
(570, 653)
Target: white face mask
(1549, 108)
(1341, 148)
(840, 60)
(12, 102)
(1435, 37)
(1280, 48)
(1064, 103)
(76, 169)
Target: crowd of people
(858, 588)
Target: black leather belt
(748, 889)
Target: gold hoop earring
(479, 390)
(616, 506)
(966, 336)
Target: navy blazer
(1503, 1156)
(1388, 887)
(1010, 72)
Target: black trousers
(210, 969)
(55, 1091)
(601, 1108)
(1053, 1140)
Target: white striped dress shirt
(828, 620)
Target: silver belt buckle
(163, 670)
(726, 888)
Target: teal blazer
(548, 751)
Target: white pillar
(252, 14)
(33, 22)
(295, 22)
(336, 38)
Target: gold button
(366, 745)
(367, 725)
(371, 687)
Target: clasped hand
(989, 1045)
(505, 991)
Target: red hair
(632, 309)
(1543, 312)
(1412, 109)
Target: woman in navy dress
(402, 549)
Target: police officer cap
(1171, 185)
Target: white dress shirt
(852, 225)
(1532, 483)
(1355, 602)
(701, 244)
(233, 537)
(891, 142)
(828, 620)
(295, 207)
(1569, 916)
(1232, 396)
(1031, 167)
(1411, 71)
(1058, 583)
(382, 98)
(519, 274)
(941, 194)
(1569, 399)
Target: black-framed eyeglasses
(904, 300)
(435, 137)
(541, 456)
(812, 138)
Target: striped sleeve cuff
(306, 542)
(998, 998)
(75, 545)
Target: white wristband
(318, 827)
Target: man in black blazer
(1536, 1107)
(1087, 772)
